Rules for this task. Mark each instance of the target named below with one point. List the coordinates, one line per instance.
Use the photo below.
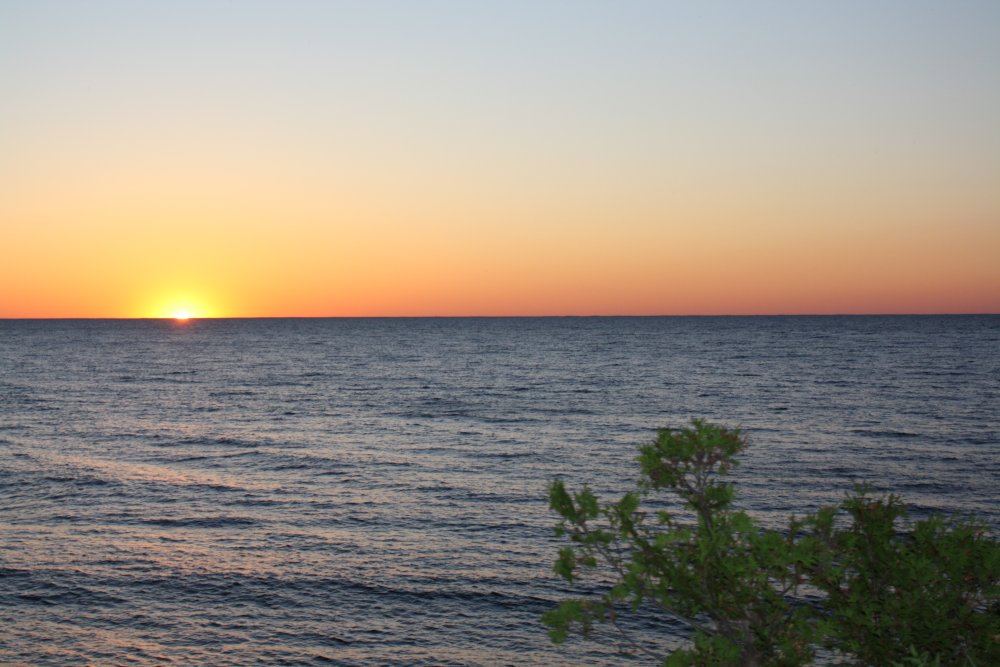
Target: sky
(379, 158)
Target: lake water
(373, 491)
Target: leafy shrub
(897, 596)
(926, 597)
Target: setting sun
(181, 304)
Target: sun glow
(180, 308)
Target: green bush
(927, 596)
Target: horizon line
(458, 317)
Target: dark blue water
(250, 492)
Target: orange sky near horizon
(253, 174)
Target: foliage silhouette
(877, 596)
